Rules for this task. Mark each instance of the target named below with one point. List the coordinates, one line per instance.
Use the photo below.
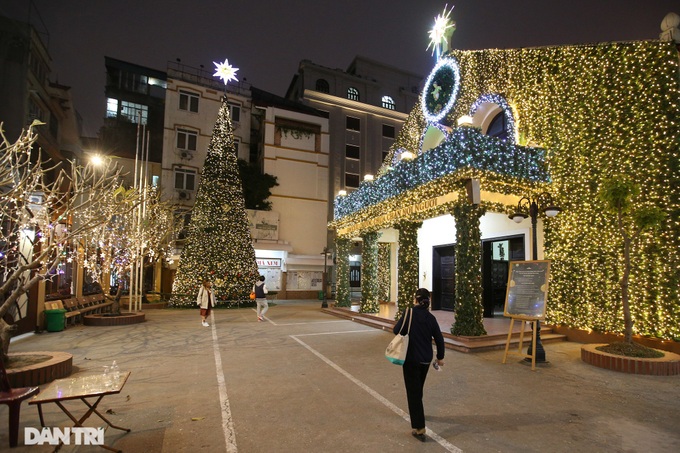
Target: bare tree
(46, 208)
(120, 245)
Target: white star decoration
(225, 71)
(442, 25)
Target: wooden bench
(72, 312)
(94, 303)
(13, 398)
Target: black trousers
(414, 380)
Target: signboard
(527, 289)
(268, 262)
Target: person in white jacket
(260, 290)
(205, 300)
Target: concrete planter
(669, 365)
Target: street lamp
(324, 304)
(542, 202)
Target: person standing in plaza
(205, 300)
(260, 290)
(424, 328)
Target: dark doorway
(443, 277)
(496, 256)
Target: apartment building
(367, 105)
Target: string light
(596, 111)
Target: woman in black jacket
(424, 328)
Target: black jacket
(424, 328)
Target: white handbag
(396, 350)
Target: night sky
(267, 39)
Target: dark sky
(267, 39)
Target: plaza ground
(306, 381)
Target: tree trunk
(627, 319)
(6, 331)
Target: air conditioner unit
(186, 155)
(184, 195)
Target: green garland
(369, 273)
(469, 308)
(384, 274)
(342, 297)
(408, 265)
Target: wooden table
(80, 388)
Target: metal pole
(540, 352)
(324, 304)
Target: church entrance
(496, 256)
(443, 277)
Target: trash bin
(55, 319)
(320, 295)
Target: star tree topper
(225, 71)
(441, 32)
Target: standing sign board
(527, 289)
(525, 298)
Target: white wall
(442, 231)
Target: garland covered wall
(599, 110)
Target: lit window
(352, 94)
(134, 112)
(388, 103)
(188, 101)
(112, 108)
(186, 139)
(185, 179)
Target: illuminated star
(442, 23)
(225, 71)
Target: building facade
(367, 105)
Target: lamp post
(532, 206)
(324, 304)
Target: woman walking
(261, 292)
(424, 328)
(205, 300)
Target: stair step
(458, 343)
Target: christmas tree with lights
(218, 247)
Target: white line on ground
(440, 440)
(227, 420)
(297, 323)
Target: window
(497, 128)
(352, 151)
(111, 108)
(351, 180)
(322, 86)
(134, 82)
(352, 94)
(353, 124)
(133, 112)
(235, 112)
(186, 139)
(185, 179)
(188, 101)
(388, 103)
(387, 131)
